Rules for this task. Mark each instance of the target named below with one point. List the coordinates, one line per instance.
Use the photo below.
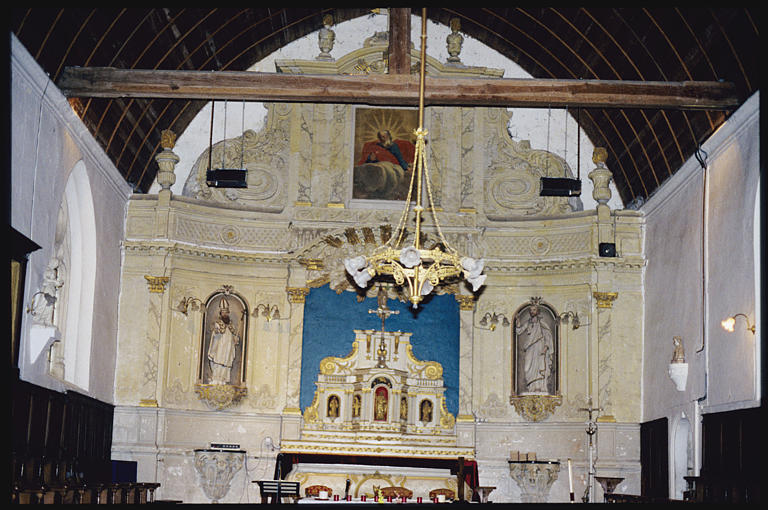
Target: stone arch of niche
(323, 258)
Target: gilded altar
(379, 400)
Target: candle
(570, 477)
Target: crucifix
(383, 312)
(591, 431)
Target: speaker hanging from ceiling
(225, 177)
(564, 186)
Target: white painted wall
(48, 142)
(724, 368)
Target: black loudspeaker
(227, 178)
(560, 187)
(607, 249)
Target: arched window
(75, 249)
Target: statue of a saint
(333, 406)
(537, 350)
(679, 354)
(403, 408)
(44, 301)
(356, 405)
(380, 407)
(224, 341)
(426, 411)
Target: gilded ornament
(605, 299)
(536, 407)
(156, 283)
(167, 139)
(599, 155)
(447, 421)
(297, 294)
(220, 396)
(466, 302)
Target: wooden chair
(313, 490)
(396, 492)
(448, 493)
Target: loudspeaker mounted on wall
(607, 249)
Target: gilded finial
(167, 139)
(599, 155)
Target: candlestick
(570, 477)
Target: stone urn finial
(600, 176)
(454, 41)
(326, 38)
(166, 160)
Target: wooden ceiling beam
(399, 50)
(395, 89)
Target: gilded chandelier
(422, 269)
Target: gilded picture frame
(384, 147)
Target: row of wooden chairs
(387, 492)
(85, 493)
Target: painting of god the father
(384, 151)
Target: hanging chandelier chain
(421, 269)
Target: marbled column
(296, 297)
(151, 369)
(465, 421)
(605, 361)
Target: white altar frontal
(379, 402)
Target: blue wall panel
(330, 320)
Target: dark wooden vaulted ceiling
(645, 146)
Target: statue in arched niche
(224, 333)
(536, 349)
(425, 409)
(333, 407)
(380, 404)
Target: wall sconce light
(187, 302)
(574, 318)
(493, 319)
(729, 323)
(269, 312)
